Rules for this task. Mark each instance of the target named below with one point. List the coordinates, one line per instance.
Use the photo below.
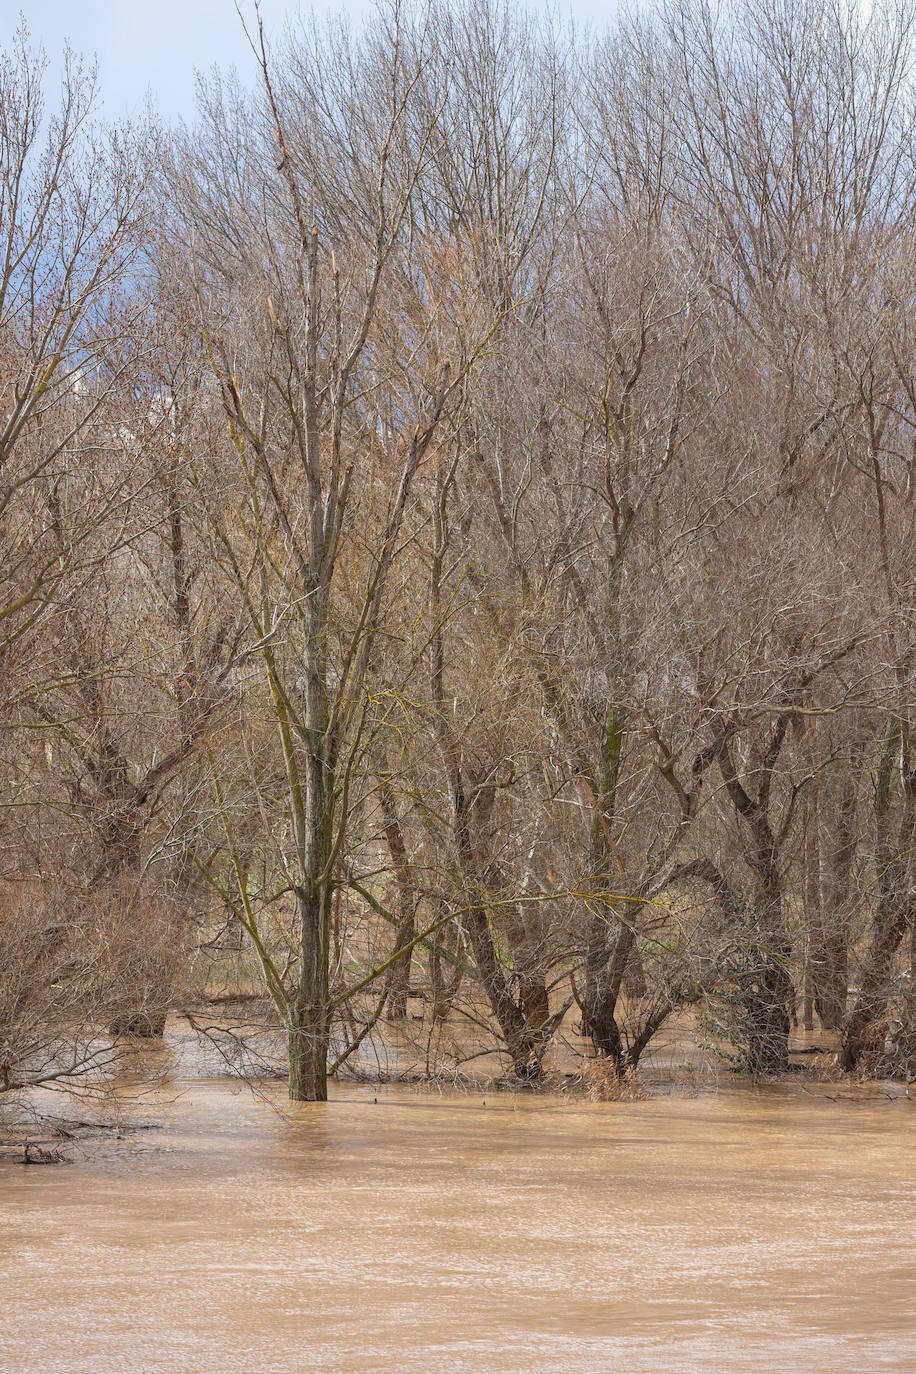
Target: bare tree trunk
(308, 1026)
(521, 1042)
(605, 963)
(394, 838)
(770, 995)
(609, 941)
(864, 1030)
(830, 936)
(523, 943)
(812, 886)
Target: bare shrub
(138, 936)
(52, 999)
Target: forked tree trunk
(522, 934)
(522, 1043)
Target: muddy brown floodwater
(747, 1230)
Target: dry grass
(602, 1083)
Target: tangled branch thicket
(456, 544)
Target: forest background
(456, 543)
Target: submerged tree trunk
(604, 972)
(308, 1025)
(308, 1029)
(523, 935)
(768, 994)
(865, 1026)
(609, 940)
(769, 1007)
(522, 1044)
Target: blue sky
(155, 45)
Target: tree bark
(394, 838)
(829, 953)
(864, 1030)
(769, 994)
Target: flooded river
(744, 1230)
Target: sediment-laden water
(390, 1229)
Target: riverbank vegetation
(457, 543)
